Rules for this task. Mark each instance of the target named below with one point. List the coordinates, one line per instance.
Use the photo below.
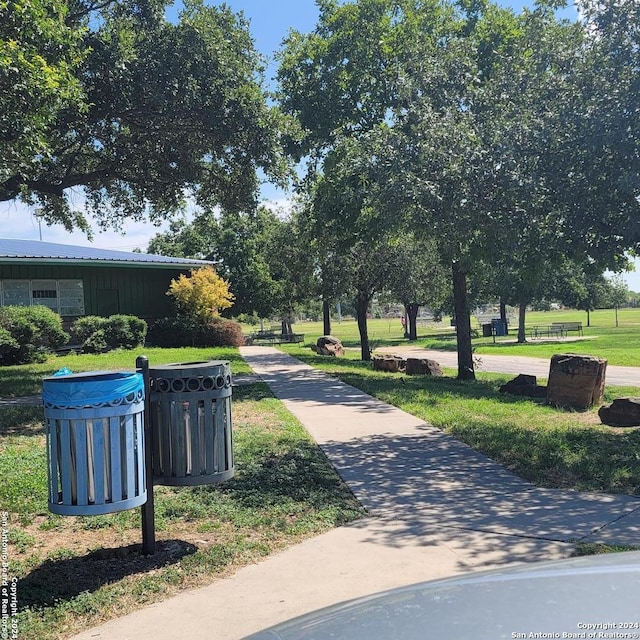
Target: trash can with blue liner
(95, 442)
(190, 413)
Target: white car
(592, 597)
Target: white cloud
(18, 221)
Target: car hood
(597, 595)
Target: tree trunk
(588, 318)
(326, 318)
(405, 321)
(286, 329)
(362, 307)
(463, 324)
(522, 310)
(412, 320)
(503, 316)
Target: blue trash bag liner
(65, 371)
(92, 389)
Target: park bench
(565, 327)
(270, 337)
(548, 331)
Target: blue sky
(270, 21)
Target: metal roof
(33, 251)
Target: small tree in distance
(201, 295)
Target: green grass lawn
(76, 572)
(26, 380)
(619, 345)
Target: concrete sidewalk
(436, 508)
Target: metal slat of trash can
(95, 442)
(190, 405)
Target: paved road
(539, 367)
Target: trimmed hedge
(186, 332)
(98, 334)
(27, 334)
(85, 327)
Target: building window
(65, 297)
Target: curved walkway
(435, 508)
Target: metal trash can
(190, 413)
(95, 442)
(499, 327)
(487, 330)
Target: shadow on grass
(24, 420)
(408, 385)
(26, 380)
(359, 374)
(302, 475)
(16, 382)
(65, 579)
(255, 391)
(572, 457)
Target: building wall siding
(140, 291)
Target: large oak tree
(136, 112)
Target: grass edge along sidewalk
(547, 446)
(77, 572)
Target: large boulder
(389, 363)
(328, 346)
(576, 381)
(622, 412)
(524, 385)
(423, 366)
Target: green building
(82, 281)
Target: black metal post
(147, 509)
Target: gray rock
(328, 346)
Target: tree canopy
(491, 132)
(137, 112)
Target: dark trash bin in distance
(95, 442)
(190, 412)
(487, 330)
(499, 327)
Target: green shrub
(251, 319)
(27, 334)
(96, 342)
(185, 332)
(124, 332)
(48, 327)
(173, 332)
(9, 347)
(99, 334)
(84, 327)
